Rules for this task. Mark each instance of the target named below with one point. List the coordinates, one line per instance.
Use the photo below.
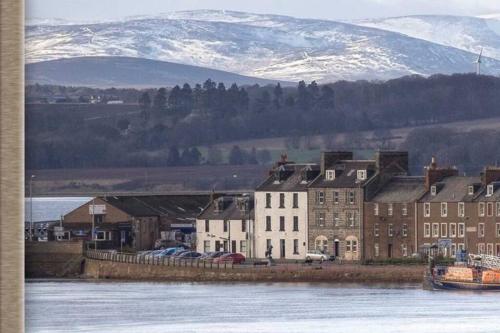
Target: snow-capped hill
(266, 46)
(463, 32)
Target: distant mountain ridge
(278, 47)
(117, 72)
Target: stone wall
(53, 259)
(102, 269)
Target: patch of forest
(181, 125)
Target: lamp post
(31, 208)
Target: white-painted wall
(216, 233)
(261, 235)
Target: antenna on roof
(478, 62)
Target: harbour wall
(53, 259)
(104, 269)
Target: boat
(479, 272)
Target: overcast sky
(96, 10)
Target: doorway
(282, 248)
(336, 248)
(233, 246)
(389, 251)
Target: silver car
(316, 256)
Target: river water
(108, 307)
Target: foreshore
(332, 273)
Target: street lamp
(31, 208)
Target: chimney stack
(435, 174)
(490, 174)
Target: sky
(100, 10)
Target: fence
(158, 261)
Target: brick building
(390, 219)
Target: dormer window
(489, 190)
(433, 190)
(470, 190)
(361, 175)
(330, 174)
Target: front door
(336, 249)
(217, 246)
(282, 248)
(233, 246)
(389, 251)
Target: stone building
(390, 219)
(226, 224)
(337, 195)
(281, 213)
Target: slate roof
(494, 197)
(452, 189)
(346, 174)
(292, 178)
(231, 210)
(401, 189)
(179, 207)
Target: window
(481, 209)
(444, 230)
(390, 209)
(321, 243)
(480, 230)
(295, 200)
(453, 230)
(98, 218)
(351, 198)
(207, 226)
(435, 230)
(295, 246)
(336, 219)
(103, 235)
(336, 197)
(489, 208)
(461, 247)
(404, 250)
(243, 246)
(498, 208)
(206, 246)
(480, 248)
(498, 229)
(320, 197)
(376, 251)
(320, 219)
(361, 174)
(268, 244)
(470, 190)
(461, 230)
(330, 174)
(404, 209)
(427, 209)
(376, 230)
(453, 250)
(226, 225)
(354, 246)
(427, 230)
(268, 200)
(295, 223)
(243, 226)
(404, 230)
(489, 190)
(444, 209)
(433, 190)
(351, 218)
(489, 249)
(282, 223)
(461, 209)
(268, 223)
(375, 209)
(390, 230)
(282, 200)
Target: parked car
(318, 256)
(170, 251)
(178, 253)
(152, 254)
(189, 255)
(213, 255)
(235, 258)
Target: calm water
(277, 308)
(51, 208)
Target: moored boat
(480, 272)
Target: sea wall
(53, 259)
(103, 269)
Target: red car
(235, 258)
